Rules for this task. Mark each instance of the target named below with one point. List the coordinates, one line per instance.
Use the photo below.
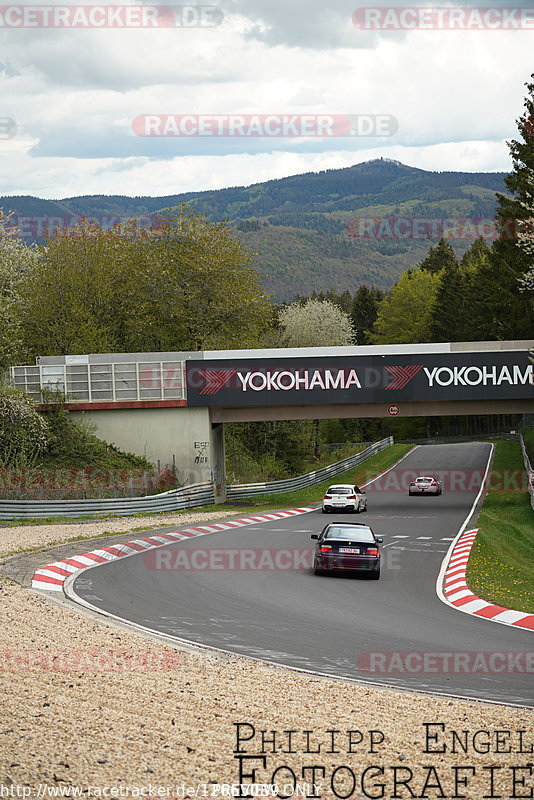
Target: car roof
(355, 527)
(348, 525)
(342, 485)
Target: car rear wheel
(375, 575)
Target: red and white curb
(456, 592)
(53, 576)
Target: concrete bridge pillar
(183, 436)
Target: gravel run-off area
(91, 707)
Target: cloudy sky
(74, 94)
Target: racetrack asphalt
(343, 626)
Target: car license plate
(339, 503)
(349, 550)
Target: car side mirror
(314, 536)
(363, 491)
(379, 539)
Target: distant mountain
(299, 225)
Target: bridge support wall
(183, 436)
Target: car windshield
(340, 490)
(350, 532)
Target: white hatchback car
(425, 485)
(344, 497)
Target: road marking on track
(423, 537)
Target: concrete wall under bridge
(172, 406)
(175, 435)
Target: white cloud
(456, 96)
(139, 176)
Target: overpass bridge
(173, 406)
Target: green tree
(448, 323)
(364, 312)
(184, 284)
(16, 260)
(269, 450)
(509, 312)
(405, 314)
(457, 305)
(477, 253)
(23, 431)
(439, 257)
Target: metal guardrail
(175, 500)
(529, 470)
(84, 382)
(239, 491)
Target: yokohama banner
(360, 379)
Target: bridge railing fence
(84, 382)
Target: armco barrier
(198, 494)
(176, 499)
(240, 491)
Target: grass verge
(501, 567)
(314, 494)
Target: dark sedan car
(347, 546)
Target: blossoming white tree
(525, 239)
(315, 323)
